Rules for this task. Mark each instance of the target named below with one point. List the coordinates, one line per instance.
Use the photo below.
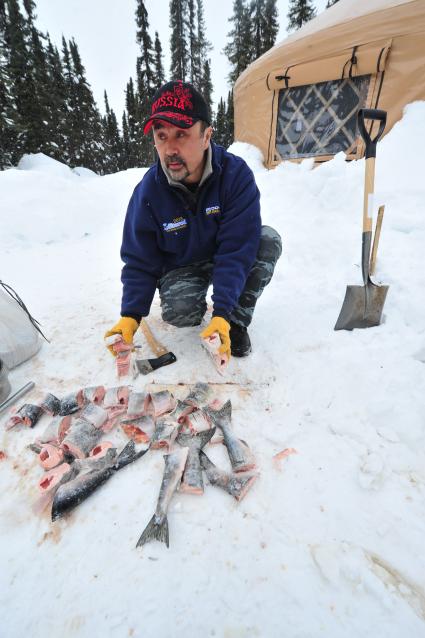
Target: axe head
(145, 366)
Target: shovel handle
(371, 114)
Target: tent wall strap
(352, 61)
(285, 77)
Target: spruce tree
(230, 121)
(203, 47)
(146, 48)
(57, 122)
(300, 12)
(239, 49)
(178, 41)
(7, 125)
(205, 85)
(126, 147)
(133, 124)
(220, 132)
(88, 132)
(271, 25)
(159, 75)
(112, 140)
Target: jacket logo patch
(212, 210)
(177, 224)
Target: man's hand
(220, 325)
(126, 326)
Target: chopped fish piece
(138, 404)
(162, 402)
(55, 477)
(116, 396)
(135, 433)
(28, 414)
(180, 412)
(123, 363)
(56, 430)
(81, 438)
(50, 404)
(100, 450)
(71, 403)
(114, 415)
(157, 528)
(90, 477)
(198, 421)
(212, 345)
(237, 485)
(113, 339)
(50, 456)
(94, 414)
(192, 476)
(94, 394)
(199, 395)
(240, 455)
(165, 433)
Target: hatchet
(164, 356)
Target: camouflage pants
(183, 290)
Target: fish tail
(127, 455)
(205, 436)
(224, 413)
(156, 529)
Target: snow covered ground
(329, 542)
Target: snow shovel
(165, 357)
(363, 305)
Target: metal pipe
(19, 393)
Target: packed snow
(329, 541)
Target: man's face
(182, 150)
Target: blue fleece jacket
(164, 229)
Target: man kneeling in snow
(193, 220)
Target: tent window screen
(319, 119)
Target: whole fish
(93, 473)
(157, 528)
(192, 482)
(240, 455)
(237, 485)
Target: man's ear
(207, 136)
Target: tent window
(319, 119)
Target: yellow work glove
(126, 326)
(220, 325)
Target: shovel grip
(376, 115)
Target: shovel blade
(362, 307)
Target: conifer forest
(47, 104)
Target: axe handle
(156, 347)
(376, 239)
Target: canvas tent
(300, 99)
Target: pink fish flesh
(50, 456)
(100, 449)
(198, 421)
(54, 477)
(212, 344)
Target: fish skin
(28, 414)
(164, 434)
(192, 481)
(237, 485)
(81, 438)
(157, 528)
(181, 410)
(56, 430)
(71, 403)
(94, 414)
(162, 402)
(50, 404)
(199, 395)
(92, 474)
(240, 455)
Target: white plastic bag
(19, 338)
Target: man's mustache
(174, 159)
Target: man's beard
(181, 173)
